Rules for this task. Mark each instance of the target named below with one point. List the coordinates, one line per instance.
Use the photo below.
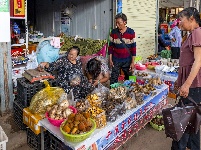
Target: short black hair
(122, 16)
(76, 48)
(93, 68)
(190, 12)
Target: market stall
(116, 133)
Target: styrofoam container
(3, 139)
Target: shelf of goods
(23, 18)
(20, 49)
(115, 133)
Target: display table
(169, 80)
(118, 132)
(163, 76)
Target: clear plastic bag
(46, 97)
(101, 91)
(63, 97)
(117, 93)
(71, 98)
(130, 101)
(98, 95)
(82, 105)
(111, 115)
(101, 120)
(139, 98)
(121, 108)
(75, 80)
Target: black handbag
(181, 118)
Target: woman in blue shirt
(176, 39)
(162, 45)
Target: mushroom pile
(61, 111)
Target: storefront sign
(4, 7)
(5, 21)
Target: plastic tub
(57, 123)
(139, 67)
(77, 137)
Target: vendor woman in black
(69, 68)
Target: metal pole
(157, 25)
(26, 29)
(114, 12)
(10, 80)
(2, 95)
(6, 86)
(198, 5)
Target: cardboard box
(172, 95)
(19, 8)
(31, 120)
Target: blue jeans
(192, 141)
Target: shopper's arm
(171, 34)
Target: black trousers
(192, 141)
(125, 66)
(175, 52)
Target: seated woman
(97, 71)
(67, 68)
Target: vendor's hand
(184, 90)
(42, 66)
(132, 67)
(95, 83)
(111, 64)
(173, 39)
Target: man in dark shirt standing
(122, 49)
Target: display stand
(26, 28)
(118, 132)
(164, 77)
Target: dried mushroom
(78, 123)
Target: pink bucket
(57, 123)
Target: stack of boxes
(25, 92)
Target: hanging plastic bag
(130, 101)
(45, 98)
(82, 105)
(71, 98)
(32, 63)
(101, 91)
(75, 80)
(99, 95)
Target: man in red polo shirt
(122, 49)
